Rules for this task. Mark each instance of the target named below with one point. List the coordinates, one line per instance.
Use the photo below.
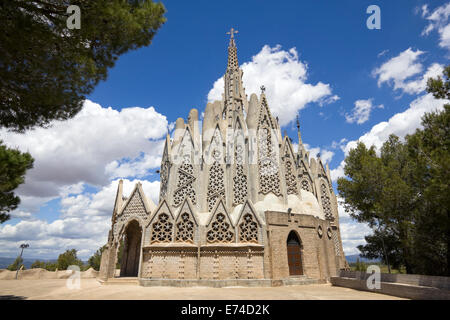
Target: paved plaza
(91, 289)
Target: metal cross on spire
(232, 32)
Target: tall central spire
(232, 51)
(234, 98)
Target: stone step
(298, 281)
(121, 281)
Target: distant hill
(352, 258)
(5, 262)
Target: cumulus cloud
(337, 172)
(352, 232)
(97, 145)
(325, 155)
(361, 111)
(83, 224)
(438, 20)
(284, 76)
(73, 157)
(404, 72)
(400, 124)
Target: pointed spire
(232, 52)
(234, 92)
(298, 132)
(119, 200)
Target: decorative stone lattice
(239, 179)
(162, 229)
(216, 185)
(326, 204)
(239, 185)
(248, 229)
(185, 183)
(269, 179)
(306, 185)
(336, 243)
(134, 208)
(220, 230)
(185, 229)
(291, 182)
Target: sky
(317, 59)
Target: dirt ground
(91, 289)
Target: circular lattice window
(220, 230)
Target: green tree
(67, 259)
(378, 243)
(402, 193)
(13, 166)
(16, 264)
(95, 259)
(47, 69)
(38, 264)
(360, 266)
(440, 87)
(51, 266)
(379, 191)
(430, 148)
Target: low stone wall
(38, 273)
(411, 286)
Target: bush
(67, 259)
(38, 264)
(16, 264)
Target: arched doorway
(131, 250)
(294, 252)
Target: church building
(239, 204)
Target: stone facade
(236, 201)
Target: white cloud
(337, 172)
(325, 155)
(284, 76)
(90, 150)
(420, 84)
(404, 72)
(396, 70)
(382, 53)
(352, 232)
(361, 111)
(83, 224)
(438, 20)
(97, 145)
(19, 214)
(400, 124)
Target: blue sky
(189, 53)
(354, 83)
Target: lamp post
(22, 246)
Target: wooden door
(294, 253)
